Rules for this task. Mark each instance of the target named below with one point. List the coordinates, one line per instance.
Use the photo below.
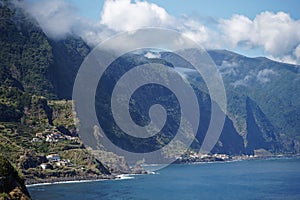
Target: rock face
(114, 163)
(11, 184)
(31, 161)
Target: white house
(49, 138)
(45, 166)
(65, 162)
(35, 140)
(53, 157)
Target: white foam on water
(124, 177)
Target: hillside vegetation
(36, 76)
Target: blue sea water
(253, 179)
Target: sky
(269, 28)
(202, 8)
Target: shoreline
(83, 179)
(68, 180)
(213, 159)
(62, 180)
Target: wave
(152, 172)
(64, 182)
(124, 176)
(118, 177)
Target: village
(55, 160)
(193, 157)
(53, 135)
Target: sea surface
(248, 179)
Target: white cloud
(124, 15)
(262, 77)
(184, 72)
(56, 18)
(152, 55)
(199, 33)
(297, 53)
(277, 33)
(246, 81)
(227, 64)
(127, 15)
(285, 59)
(236, 29)
(93, 33)
(265, 75)
(229, 68)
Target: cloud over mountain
(277, 34)
(56, 18)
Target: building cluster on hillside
(55, 160)
(219, 156)
(194, 155)
(52, 136)
(191, 157)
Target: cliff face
(11, 184)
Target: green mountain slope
(273, 86)
(68, 55)
(25, 52)
(34, 63)
(257, 127)
(35, 71)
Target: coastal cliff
(12, 185)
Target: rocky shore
(186, 159)
(29, 182)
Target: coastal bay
(276, 178)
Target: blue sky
(224, 9)
(268, 28)
(203, 8)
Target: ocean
(247, 179)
